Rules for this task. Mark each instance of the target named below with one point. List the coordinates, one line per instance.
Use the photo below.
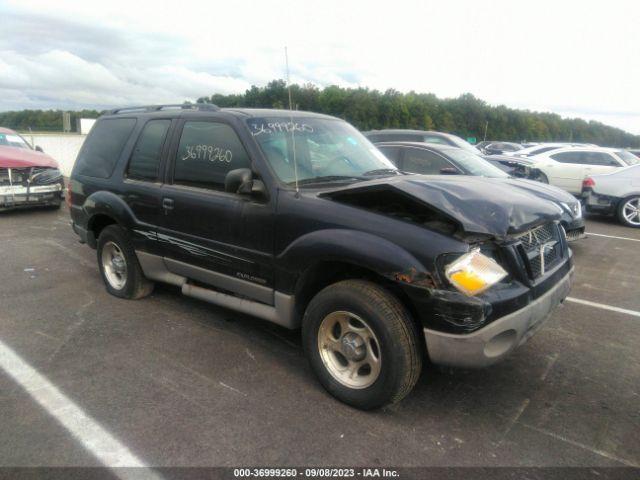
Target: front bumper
(495, 341)
(16, 196)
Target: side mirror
(39, 148)
(448, 171)
(239, 181)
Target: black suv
(298, 219)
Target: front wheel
(362, 344)
(629, 211)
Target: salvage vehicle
(28, 177)
(298, 219)
(568, 167)
(516, 167)
(616, 193)
(433, 159)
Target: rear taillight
(588, 183)
(67, 197)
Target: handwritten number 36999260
(207, 152)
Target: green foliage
(465, 116)
(42, 120)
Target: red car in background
(28, 177)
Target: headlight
(574, 209)
(474, 272)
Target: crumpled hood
(480, 205)
(14, 157)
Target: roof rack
(209, 107)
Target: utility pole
(486, 125)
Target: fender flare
(354, 247)
(111, 205)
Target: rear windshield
(628, 157)
(103, 146)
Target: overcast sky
(575, 58)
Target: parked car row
(564, 165)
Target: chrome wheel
(114, 265)
(631, 211)
(349, 349)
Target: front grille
(540, 249)
(24, 176)
(4, 177)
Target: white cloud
(570, 56)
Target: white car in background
(616, 193)
(544, 147)
(567, 167)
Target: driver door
(216, 237)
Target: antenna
(293, 130)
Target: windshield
(325, 150)
(628, 157)
(475, 164)
(13, 140)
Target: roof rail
(209, 107)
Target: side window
(392, 153)
(207, 152)
(145, 158)
(578, 158)
(103, 146)
(601, 158)
(423, 161)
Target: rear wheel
(119, 265)
(629, 211)
(362, 344)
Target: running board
(282, 313)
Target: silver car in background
(616, 193)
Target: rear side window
(145, 158)
(207, 152)
(103, 147)
(601, 158)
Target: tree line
(466, 115)
(42, 120)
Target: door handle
(167, 204)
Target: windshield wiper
(326, 178)
(382, 171)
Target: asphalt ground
(172, 381)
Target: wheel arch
(103, 209)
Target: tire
(128, 282)
(386, 331)
(625, 206)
